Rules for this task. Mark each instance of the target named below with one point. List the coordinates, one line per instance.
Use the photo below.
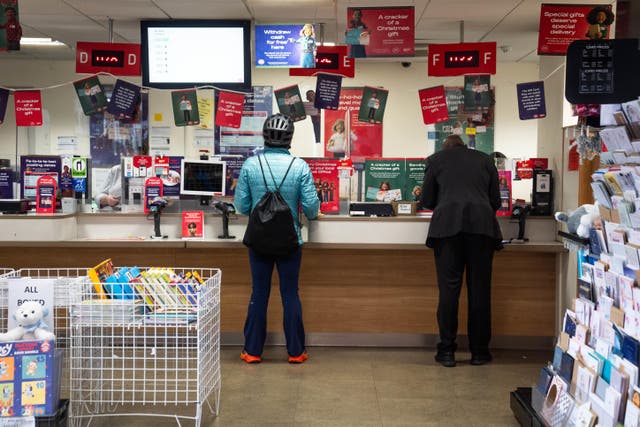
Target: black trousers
(453, 255)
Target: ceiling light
(39, 41)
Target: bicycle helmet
(278, 131)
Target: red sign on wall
(458, 59)
(28, 104)
(433, 103)
(329, 60)
(119, 59)
(230, 107)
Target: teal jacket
(297, 189)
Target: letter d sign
(84, 57)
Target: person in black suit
(461, 186)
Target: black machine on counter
(542, 193)
(14, 206)
(370, 209)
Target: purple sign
(171, 181)
(6, 184)
(328, 91)
(32, 168)
(124, 100)
(531, 102)
(4, 99)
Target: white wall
(404, 132)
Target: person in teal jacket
(298, 190)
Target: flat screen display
(203, 177)
(188, 53)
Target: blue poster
(247, 139)
(531, 103)
(328, 91)
(4, 99)
(171, 180)
(124, 100)
(290, 46)
(6, 184)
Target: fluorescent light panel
(39, 41)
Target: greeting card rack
(150, 349)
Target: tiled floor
(364, 387)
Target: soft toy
(580, 221)
(29, 318)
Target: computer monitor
(203, 178)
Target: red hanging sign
(46, 195)
(433, 103)
(457, 59)
(28, 104)
(230, 107)
(119, 59)
(329, 60)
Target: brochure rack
(146, 347)
(64, 278)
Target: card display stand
(151, 351)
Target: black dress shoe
(446, 359)
(481, 358)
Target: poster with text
(193, 224)
(6, 184)
(247, 139)
(560, 24)
(384, 179)
(327, 91)
(171, 176)
(414, 178)
(372, 104)
(325, 178)
(290, 102)
(46, 194)
(361, 139)
(185, 107)
(380, 31)
(433, 103)
(230, 106)
(205, 108)
(476, 127)
(10, 29)
(504, 186)
(28, 104)
(289, 46)
(531, 103)
(111, 138)
(4, 101)
(65, 184)
(476, 92)
(91, 95)
(32, 168)
(234, 164)
(124, 100)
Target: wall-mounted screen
(290, 46)
(203, 178)
(187, 53)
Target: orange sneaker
(249, 358)
(299, 359)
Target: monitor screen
(203, 178)
(287, 46)
(187, 53)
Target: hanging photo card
(46, 195)
(205, 108)
(28, 104)
(91, 95)
(152, 189)
(372, 104)
(124, 100)
(325, 178)
(328, 91)
(380, 31)
(230, 107)
(433, 103)
(476, 92)
(290, 102)
(11, 30)
(4, 101)
(561, 24)
(192, 225)
(531, 103)
(185, 107)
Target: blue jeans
(255, 327)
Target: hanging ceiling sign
(458, 59)
(329, 60)
(119, 59)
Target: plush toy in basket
(30, 324)
(580, 221)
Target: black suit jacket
(461, 186)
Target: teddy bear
(30, 324)
(580, 221)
